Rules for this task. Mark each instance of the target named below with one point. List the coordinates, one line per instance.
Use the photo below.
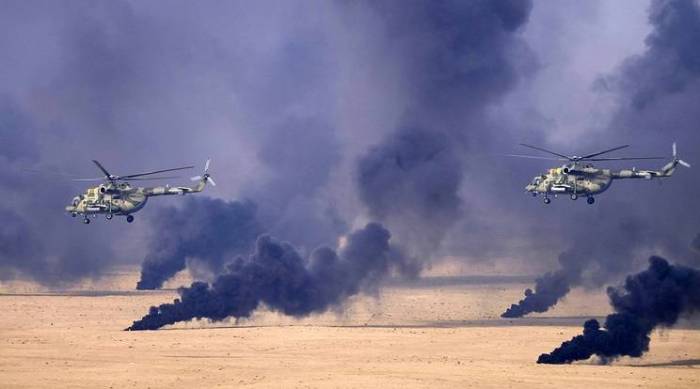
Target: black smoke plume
(600, 256)
(655, 297)
(277, 276)
(456, 60)
(208, 231)
(549, 288)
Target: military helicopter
(117, 197)
(580, 178)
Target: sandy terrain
(437, 334)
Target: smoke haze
(330, 115)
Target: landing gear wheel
(547, 200)
(109, 216)
(590, 200)
(129, 219)
(86, 221)
(574, 196)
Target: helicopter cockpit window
(536, 180)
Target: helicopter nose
(70, 208)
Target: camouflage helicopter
(580, 178)
(117, 197)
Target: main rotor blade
(88, 179)
(535, 157)
(154, 178)
(621, 159)
(605, 151)
(547, 151)
(156, 172)
(99, 165)
(121, 178)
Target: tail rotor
(676, 159)
(206, 177)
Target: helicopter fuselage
(570, 179)
(117, 199)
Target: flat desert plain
(439, 332)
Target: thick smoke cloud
(278, 277)
(656, 94)
(299, 155)
(284, 97)
(326, 115)
(455, 58)
(671, 63)
(658, 296)
(413, 177)
(207, 231)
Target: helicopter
(580, 178)
(115, 196)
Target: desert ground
(438, 332)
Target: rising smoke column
(549, 288)
(657, 296)
(208, 231)
(552, 286)
(277, 276)
(601, 255)
(455, 59)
